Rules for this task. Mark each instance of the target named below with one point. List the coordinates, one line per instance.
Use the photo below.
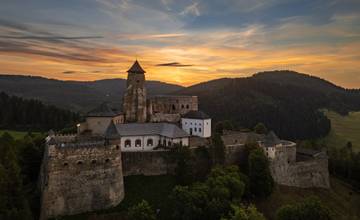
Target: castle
(84, 171)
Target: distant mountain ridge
(287, 102)
(75, 95)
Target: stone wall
(173, 104)
(146, 163)
(161, 117)
(305, 174)
(77, 179)
(285, 169)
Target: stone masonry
(77, 178)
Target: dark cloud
(174, 64)
(50, 37)
(69, 72)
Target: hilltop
(74, 95)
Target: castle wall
(146, 163)
(304, 174)
(162, 117)
(173, 104)
(76, 179)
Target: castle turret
(134, 102)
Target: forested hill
(75, 95)
(287, 102)
(18, 113)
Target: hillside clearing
(342, 201)
(17, 134)
(343, 130)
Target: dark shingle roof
(136, 68)
(139, 129)
(196, 115)
(102, 110)
(271, 139)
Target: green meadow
(17, 134)
(343, 130)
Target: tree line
(30, 114)
(20, 162)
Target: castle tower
(134, 102)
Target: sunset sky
(180, 41)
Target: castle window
(138, 143)
(79, 162)
(182, 106)
(187, 106)
(65, 164)
(93, 161)
(107, 160)
(149, 142)
(117, 147)
(173, 107)
(127, 143)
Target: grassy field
(154, 189)
(344, 129)
(340, 199)
(17, 134)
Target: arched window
(150, 142)
(79, 162)
(66, 164)
(187, 106)
(182, 106)
(138, 143)
(107, 160)
(164, 142)
(199, 129)
(117, 147)
(127, 143)
(169, 143)
(173, 107)
(195, 129)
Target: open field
(16, 134)
(342, 201)
(344, 129)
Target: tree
(244, 213)
(217, 150)
(310, 209)
(181, 156)
(141, 211)
(210, 199)
(260, 128)
(15, 206)
(261, 181)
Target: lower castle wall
(304, 174)
(80, 179)
(146, 163)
